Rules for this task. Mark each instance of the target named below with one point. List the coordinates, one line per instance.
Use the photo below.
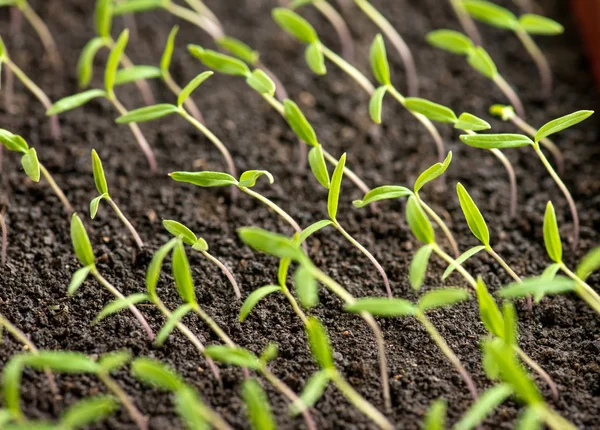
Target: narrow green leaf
(257, 406)
(418, 266)
(74, 101)
(307, 288)
(192, 410)
(88, 411)
(62, 362)
(181, 231)
(78, 278)
(167, 56)
(484, 406)
(319, 343)
(511, 329)
(220, 62)
(313, 228)
(298, 123)
(431, 110)
(382, 307)
(442, 298)
(312, 391)
(538, 287)
(155, 265)
(530, 419)
(432, 173)
(261, 82)
(114, 58)
(31, 165)
(153, 372)
(376, 104)
(589, 264)
(85, 64)
(249, 177)
(255, 297)
(318, 165)
(473, 216)
(536, 24)
(491, 14)
(11, 385)
(419, 222)
(451, 41)
(466, 121)
(436, 416)
(171, 323)
(121, 303)
(136, 73)
(183, 274)
(488, 310)
(191, 86)
(385, 192)
(562, 123)
(498, 141)
(112, 361)
(270, 243)
(147, 113)
(235, 356)
(295, 25)
(503, 111)
(550, 272)
(552, 234)
(238, 49)
(200, 245)
(98, 171)
(379, 62)
(103, 18)
(481, 61)
(95, 205)
(315, 59)
(269, 353)
(461, 259)
(204, 179)
(135, 6)
(13, 142)
(334, 188)
(81, 242)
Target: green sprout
(30, 85)
(548, 283)
(391, 308)
(435, 419)
(523, 26)
(31, 165)
(478, 58)
(466, 22)
(317, 52)
(258, 409)
(505, 141)
(85, 412)
(150, 113)
(470, 124)
(387, 192)
(71, 102)
(85, 255)
(102, 187)
(40, 28)
(199, 244)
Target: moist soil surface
(561, 333)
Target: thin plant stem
(56, 189)
(132, 410)
(227, 273)
(294, 303)
(512, 180)
(466, 22)
(510, 271)
(213, 326)
(202, 9)
(340, 26)
(3, 240)
(566, 193)
(44, 34)
(37, 92)
(208, 25)
(349, 69)
(188, 103)
(359, 401)
(111, 288)
(448, 259)
(442, 225)
(412, 78)
(283, 214)
(137, 133)
(510, 94)
(540, 61)
(130, 227)
(555, 421)
(447, 351)
(538, 369)
(584, 291)
(9, 90)
(370, 256)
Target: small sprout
(239, 49)
(257, 406)
(436, 416)
(589, 264)
(484, 406)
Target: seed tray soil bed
(562, 333)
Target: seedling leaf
(442, 298)
(334, 188)
(220, 62)
(466, 121)
(85, 64)
(538, 287)
(147, 113)
(114, 360)
(238, 49)
(491, 14)
(88, 411)
(451, 41)
(385, 192)
(261, 82)
(204, 179)
(530, 419)
(498, 141)
(11, 384)
(200, 245)
(295, 25)
(319, 343)
(481, 61)
(418, 266)
(165, 60)
(135, 6)
(473, 216)
(307, 288)
(552, 234)
(382, 307)
(488, 310)
(589, 263)
(135, 73)
(484, 406)
(436, 416)
(120, 304)
(432, 173)
(248, 178)
(318, 165)
(379, 63)
(562, 123)
(298, 123)
(192, 409)
(98, 171)
(503, 111)
(257, 406)
(269, 353)
(103, 18)
(419, 222)
(171, 323)
(312, 391)
(78, 278)
(81, 242)
(376, 104)
(74, 101)
(550, 272)
(155, 265)
(31, 165)
(431, 110)
(510, 323)
(315, 59)
(313, 228)
(255, 297)
(181, 231)
(13, 142)
(62, 362)
(183, 275)
(536, 24)
(270, 243)
(153, 372)
(191, 86)
(112, 64)
(235, 356)
(461, 259)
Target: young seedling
(466, 22)
(504, 141)
(548, 283)
(316, 52)
(31, 165)
(192, 410)
(103, 17)
(150, 113)
(30, 85)
(102, 187)
(507, 113)
(478, 58)
(85, 255)
(199, 244)
(387, 192)
(306, 277)
(523, 26)
(40, 28)
(258, 409)
(246, 182)
(470, 124)
(391, 308)
(108, 93)
(85, 412)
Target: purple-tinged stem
(340, 26)
(227, 273)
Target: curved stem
(208, 25)
(124, 220)
(510, 271)
(442, 225)
(512, 179)
(440, 252)
(540, 61)
(44, 34)
(188, 103)
(202, 9)
(340, 26)
(370, 256)
(131, 307)
(447, 351)
(132, 410)
(137, 133)
(349, 69)
(213, 326)
(227, 273)
(294, 303)
(398, 42)
(555, 421)
(466, 22)
(538, 369)
(566, 193)
(3, 240)
(584, 291)
(510, 94)
(56, 189)
(283, 214)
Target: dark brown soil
(561, 333)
